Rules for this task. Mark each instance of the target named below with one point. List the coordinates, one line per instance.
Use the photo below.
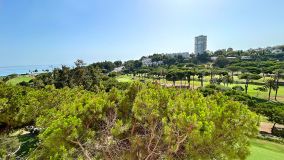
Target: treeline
(141, 122)
(270, 71)
(223, 56)
(255, 54)
(274, 111)
(99, 75)
(91, 77)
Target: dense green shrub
(279, 132)
(238, 88)
(142, 122)
(274, 111)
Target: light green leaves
(145, 121)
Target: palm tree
(212, 72)
(188, 75)
(233, 69)
(172, 76)
(278, 75)
(227, 79)
(180, 75)
(270, 84)
(201, 75)
(193, 76)
(248, 77)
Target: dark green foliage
(279, 74)
(130, 124)
(279, 132)
(253, 70)
(238, 88)
(113, 74)
(11, 76)
(24, 84)
(262, 89)
(203, 58)
(249, 77)
(28, 144)
(172, 76)
(117, 63)
(132, 66)
(273, 110)
(270, 84)
(113, 83)
(90, 77)
(213, 89)
(106, 66)
(118, 121)
(221, 62)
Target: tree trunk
(276, 87)
(188, 80)
(201, 81)
(246, 86)
(269, 92)
(273, 126)
(85, 152)
(263, 77)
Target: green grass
(265, 150)
(17, 80)
(263, 95)
(124, 78)
(251, 88)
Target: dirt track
(267, 126)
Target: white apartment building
(200, 45)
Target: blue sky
(61, 31)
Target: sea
(7, 70)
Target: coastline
(25, 69)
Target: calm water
(4, 71)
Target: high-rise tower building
(200, 45)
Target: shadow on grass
(28, 143)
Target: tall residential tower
(200, 45)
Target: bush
(142, 122)
(271, 138)
(279, 132)
(23, 83)
(238, 88)
(262, 89)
